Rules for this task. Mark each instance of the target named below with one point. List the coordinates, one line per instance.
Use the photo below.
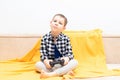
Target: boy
(57, 58)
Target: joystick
(57, 61)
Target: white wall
(33, 16)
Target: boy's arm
(69, 52)
(43, 50)
(44, 57)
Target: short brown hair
(61, 15)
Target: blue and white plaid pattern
(62, 43)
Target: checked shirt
(62, 43)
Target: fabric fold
(88, 49)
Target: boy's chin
(55, 31)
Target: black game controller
(57, 61)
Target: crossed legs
(67, 69)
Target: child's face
(57, 24)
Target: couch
(14, 46)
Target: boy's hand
(47, 63)
(66, 60)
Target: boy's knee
(38, 65)
(74, 62)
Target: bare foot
(71, 73)
(68, 76)
(43, 74)
(47, 74)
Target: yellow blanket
(87, 48)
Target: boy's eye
(60, 23)
(55, 20)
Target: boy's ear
(50, 22)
